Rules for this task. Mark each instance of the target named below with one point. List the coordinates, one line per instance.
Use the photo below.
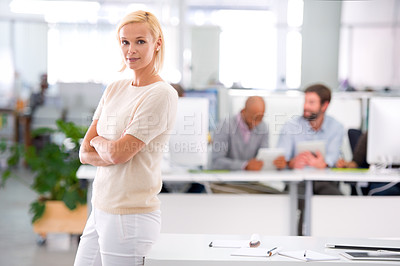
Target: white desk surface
(182, 249)
(89, 172)
(354, 175)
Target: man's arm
(285, 142)
(334, 145)
(220, 148)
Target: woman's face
(137, 45)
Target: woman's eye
(124, 42)
(140, 42)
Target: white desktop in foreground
(194, 250)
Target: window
(369, 48)
(259, 45)
(248, 48)
(82, 53)
(260, 42)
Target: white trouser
(117, 240)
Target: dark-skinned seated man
(236, 142)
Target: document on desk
(256, 252)
(308, 255)
(229, 243)
(253, 242)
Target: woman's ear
(158, 44)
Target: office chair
(357, 188)
(354, 135)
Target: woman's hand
(88, 154)
(116, 151)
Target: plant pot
(57, 218)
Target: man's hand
(299, 162)
(254, 165)
(341, 163)
(280, 162)
(315, 160)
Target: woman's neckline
(145, 85)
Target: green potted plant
(54, 166)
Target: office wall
(321, 28)
(23, 48)
(6, 63)
(205, 55)
(30, 50)
(370, 38)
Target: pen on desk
(272, 251)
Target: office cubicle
(225, 214)
(346, 216)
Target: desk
(183, 250)
(19, 119)
(293, 177)
(88, 172)
(351, 175)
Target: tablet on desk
(372, 255)
(312, 146)
(268, 155)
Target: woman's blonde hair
(141, 16)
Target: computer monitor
(189, 139)
(384, 131)
(212, 96)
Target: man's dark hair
(323, 92)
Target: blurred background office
(274, 47)
(57, 57)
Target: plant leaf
(5, 176)
(42, 131)
(3, 146)
(37, 208)
(71, 198)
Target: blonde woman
(125, 141)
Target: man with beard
(313, 125)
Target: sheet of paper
(309, 255)
(229, 243)
(252, 252)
